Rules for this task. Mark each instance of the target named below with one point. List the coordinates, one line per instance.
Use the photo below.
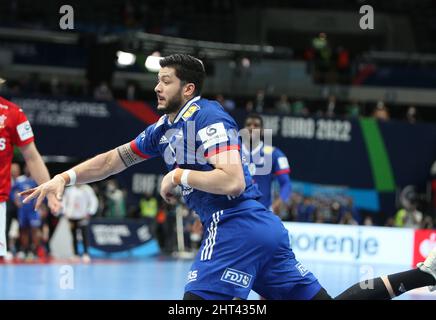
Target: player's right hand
(52, 189)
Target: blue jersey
(24, 183)
(256, 161)
(202, 128)
(27, 215)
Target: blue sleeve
(280, 163)
(281, 171)
(216, 131)
(285, 186)
(144, 145)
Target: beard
(173, 104)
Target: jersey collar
(185, 107)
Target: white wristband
(72, 174)
(184, 178)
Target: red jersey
(15, 130)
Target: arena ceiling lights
(146, 42)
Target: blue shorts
(244, 248)
(29, 219)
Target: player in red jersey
(15, 130)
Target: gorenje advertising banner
(352, 244)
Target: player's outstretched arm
(94, 169)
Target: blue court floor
(151, 279)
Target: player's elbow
(237, 187)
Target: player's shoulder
(278, 152)
(156, 127)
(159, 122)
(210, 109)
(9, 106)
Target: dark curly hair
(188, 69)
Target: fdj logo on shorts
(236, 277)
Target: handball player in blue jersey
(266, 165)
(245, 246)
(29, 219)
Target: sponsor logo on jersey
(163, 140)
(24, 131)
(212, 135)
(191, 110)
(236, 277)
(283, 163)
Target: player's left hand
(52, 189)
(167, 188)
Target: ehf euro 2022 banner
(363, 158)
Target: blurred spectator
(102, 92)
(347, 218)
(169, 232)
(80, 203)
(32, 84)
(411, 115)
(44, 249)
(306, 210)
(381, 112)
(161, 218)
(349, 214)
(55, 86)
(428, 223)
(28, 218)
(148, 207)
(331, 106)
(343, 64)
(353, 109)
(227, 104)
(249, 106)
(115, 201)
(335, 212)
(298, 108)
(260, 101)
(409, 217)
(282, 105)
(129, 14)
(390, 222)
(131, 91)
(368, 221)
(196, 233)
(323, 57)
(309, 56)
